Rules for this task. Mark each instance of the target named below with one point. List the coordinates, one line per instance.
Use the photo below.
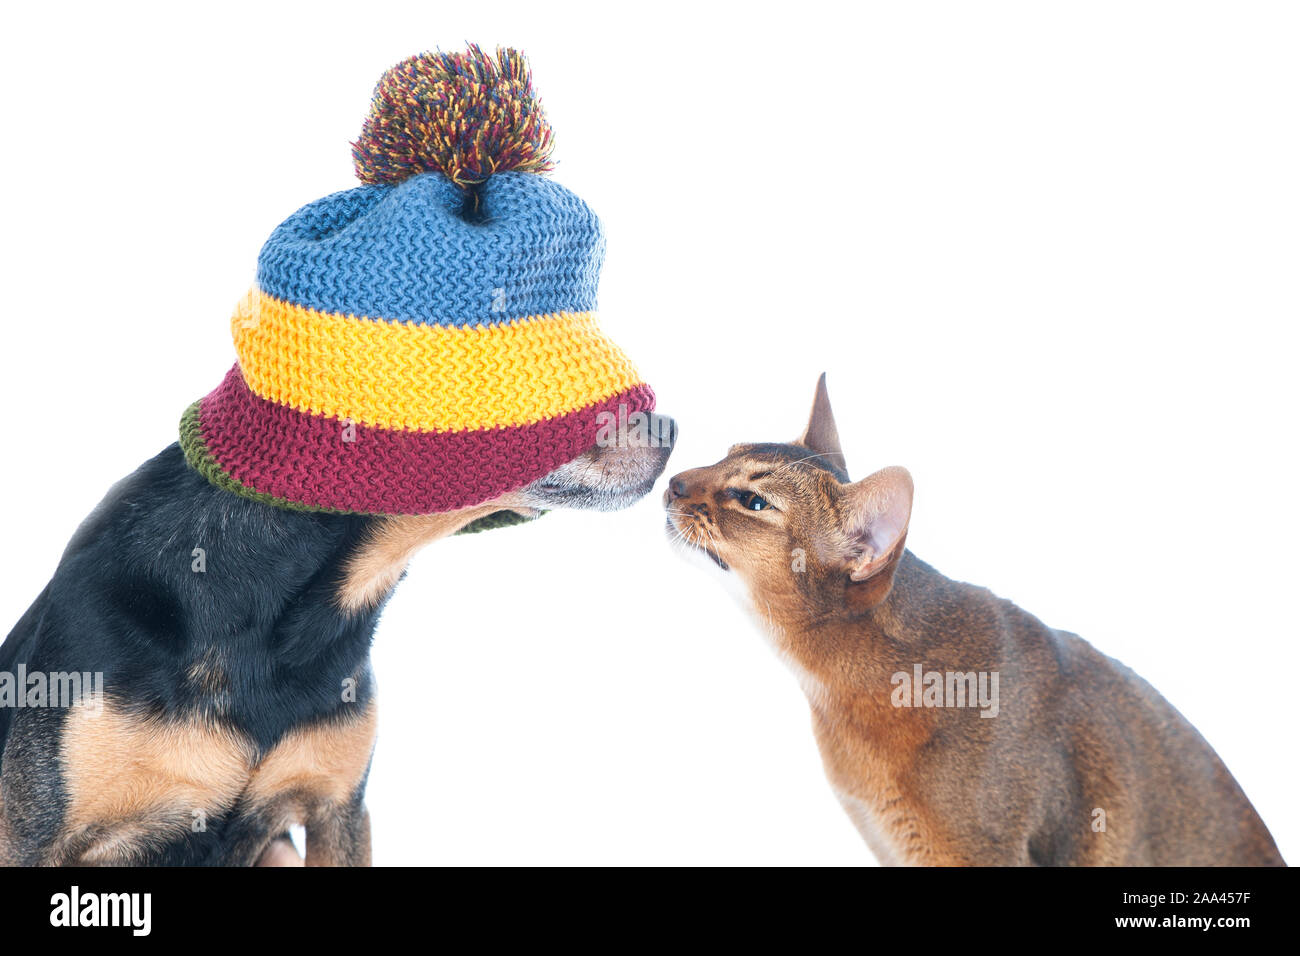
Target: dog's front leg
(341, 838)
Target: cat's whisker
(822, 454)
(680, 533)
(713, 542)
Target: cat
(954, 727)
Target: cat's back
(1107, 748)
(1170, 790)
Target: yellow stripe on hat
(405, 375)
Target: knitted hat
(426, 341)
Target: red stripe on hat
(275, 450)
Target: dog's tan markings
(317, 765)
(377, 564)
(128, 775)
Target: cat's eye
(751, 502)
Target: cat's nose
(676, 489)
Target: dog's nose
(664, 429)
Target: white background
(1046, 253)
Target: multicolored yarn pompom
(465, 115)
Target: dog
(233, 638)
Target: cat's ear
(875, 513)
(821, 435)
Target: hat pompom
(465, 115)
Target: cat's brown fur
(1078, 739)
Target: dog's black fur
(255, 666)
(126, 601)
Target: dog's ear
(874, 515)
(821, 435)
